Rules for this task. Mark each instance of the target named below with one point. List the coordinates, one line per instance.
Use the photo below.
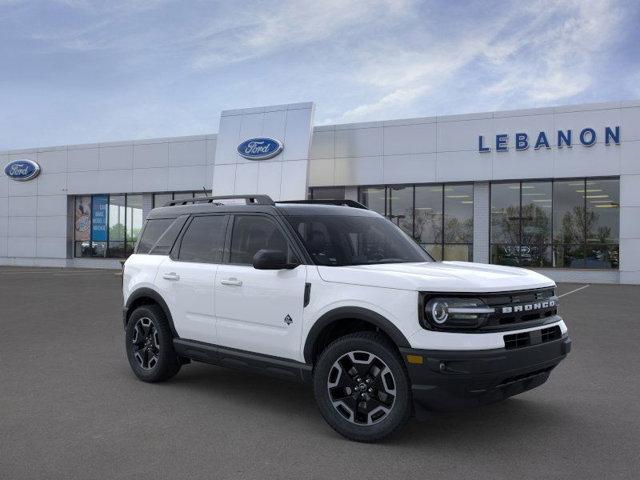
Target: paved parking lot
(71, 408)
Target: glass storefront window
(182, 195)
(564, 223)
(439, 217)
(107, 225)
(602, 198)
(568, 212)
(161, 199)
(505, 223)
(327, 193)
(133, 221)
(505, 213)
(373, 198)
(400, 208)
(603, 211)
(428, 219)
(117, 217)
(82, 226)
(536, 200)
(458, 222)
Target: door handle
(234, 282)
(171, 276)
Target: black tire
(371, 414)
(150, 349)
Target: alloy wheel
(361, 387)
(146, 344)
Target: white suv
(331, 293)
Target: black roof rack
(343, 203)
(250, 199)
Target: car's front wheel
(149, 345)
(362, 387)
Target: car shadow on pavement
(517, 418)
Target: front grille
(549, 334)
(526, 339)
(517, 340)
(513, 309)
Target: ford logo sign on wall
(260, 148)
(22, 170)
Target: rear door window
(203, 241)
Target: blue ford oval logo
(260, 148)
(22, 170)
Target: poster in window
(99, 218)
(83, 218)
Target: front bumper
(450, 380)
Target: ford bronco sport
(331, 293)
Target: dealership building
(553, 189)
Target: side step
(239, 359)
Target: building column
(481, 212)
(629, 229)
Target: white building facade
(553, 189)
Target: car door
(187, 277)
(259, 310)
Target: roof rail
(250, 199)
(343, 203)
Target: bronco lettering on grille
(529, 307)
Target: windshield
(339, 240)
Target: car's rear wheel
(362, 387)
(149, 345)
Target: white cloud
(287, 25)
(542, 52)
(554, 63)
(161, 68)
(398, 98)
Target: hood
(438, 277)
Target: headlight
(456, 312)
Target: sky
(79, 71)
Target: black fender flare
(352, 313)
(157, 298)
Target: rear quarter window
(160, 234)
(153, 230)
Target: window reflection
(107, 225)
(117, 227)
(428, 224)
(134, 221)
(505, 213)
(161, 199)
(439, 217)
(603, 211)
(568, 212)
(327, 193)
(565, 224)
(536, 200)
(458, 222)
(182, 195)
(400, 208)
(373, 198)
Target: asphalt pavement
(70, 408)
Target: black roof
(260, 204)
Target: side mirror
(271, 260)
